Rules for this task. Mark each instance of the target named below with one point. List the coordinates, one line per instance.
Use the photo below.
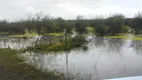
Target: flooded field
(105, 58)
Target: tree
(137, 23)
(101, 30)
(97, 21)
(3, 25)
(116, 22)
(60, 24)
(80, 26)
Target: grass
(14, 68)
(24, 35)
(121, 37)
(90, 29)
(32, 35)
(56, 34)
(124, 37)
(4, 33)
(135, 38)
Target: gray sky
(68, 9)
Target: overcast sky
(68, 9)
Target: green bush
(126, 29)
(101, 30)
(115, 22)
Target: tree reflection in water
(110, 45)
(98, 41)
(115, 45)
(137, 46)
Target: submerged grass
(13, 68)
(48, 47)
(135, 38)
(121, 37)
(125, 37)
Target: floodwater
(105, 58)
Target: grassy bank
(13, 68)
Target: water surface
(106, 58)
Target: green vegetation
(124, 37)
(24, 35)
(115, 23)
(80, 25)
(14, 68)
(56, 34)
(4, 33)
(110, 26)
(90, 30)
(135, 38)
(47, 25)
(136, 23)
(35, 34)
(101, 30)
(114, 26)
(49, 47)
(126, 29)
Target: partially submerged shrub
(72, 43)
(78, 41)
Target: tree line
(40, 24)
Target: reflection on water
(105, 58)
(16, 43)
(115, 45)
(137, 45)
(50, 39)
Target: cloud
(68, 9)
(30, 9)
(75, 9)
